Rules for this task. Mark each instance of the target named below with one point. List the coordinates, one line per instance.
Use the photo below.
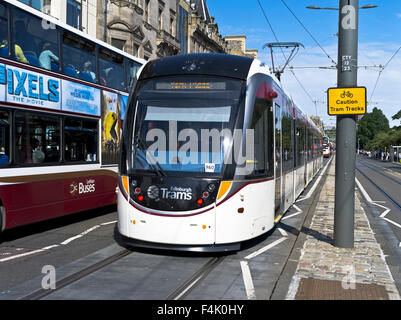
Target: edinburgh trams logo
(176, 193)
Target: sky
(379, 39)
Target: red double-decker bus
(62, 102)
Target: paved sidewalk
(325, 272)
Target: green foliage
(371, 125)
(397, 116)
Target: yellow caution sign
(346, 101)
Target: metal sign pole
(346, 127)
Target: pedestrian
(3, 156)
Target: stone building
(152, 29)
(77, 14)
(237, 45)
(147, 29)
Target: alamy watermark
(46, 24)
(49, 280)
(206, 146)
(348, 281)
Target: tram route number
(346, 101)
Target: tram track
(197, 277)
(177, 294)
(373, 168)
(41, 293)
(388, 196)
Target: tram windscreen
(185, 125)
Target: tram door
(277, 159)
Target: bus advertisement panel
(110, 127)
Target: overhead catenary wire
(282, 51)
(380, 73)
(310, 34)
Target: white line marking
(365, 194)
(394, 223)
(271, 245)
(79, 235)
(283, 232)
(56, 245)
(291, 215)
(311, 191)
(107, 223)
(384, 213)
(22, 255)
(246, 275)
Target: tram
(213, 153)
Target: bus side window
(37, 138)
(4, 137)
(79, 58)
(132, 69)
(3, 32)
(111, 69)
(80, 140)
(34, 44)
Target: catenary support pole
(346, 127)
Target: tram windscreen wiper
(155, 165)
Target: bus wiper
(155, 165)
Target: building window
(74, 11)
(118, 43)
(183, 29)
(147, 10)
(160, 19)
(136, 50)
(37, 4)
(172, 25)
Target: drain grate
(316, 289)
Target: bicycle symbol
(347, 94)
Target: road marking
(247, 277)
(369, 199)
(107, 223)
(80, 235)
(260, 251)
(65, 242)
(22, 255)
(299, 211)
(283, 233)
(311, 191)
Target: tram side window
(80, 140)
(4, 137)
(300, 139)
(37, 138)
(111, 69)
(34, 44)
(3, 32)
(79, 58)
(287, 153)
(262, 136)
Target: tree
(370, 125)
(397, 116)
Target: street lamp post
(346, 127)
(347, 72)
